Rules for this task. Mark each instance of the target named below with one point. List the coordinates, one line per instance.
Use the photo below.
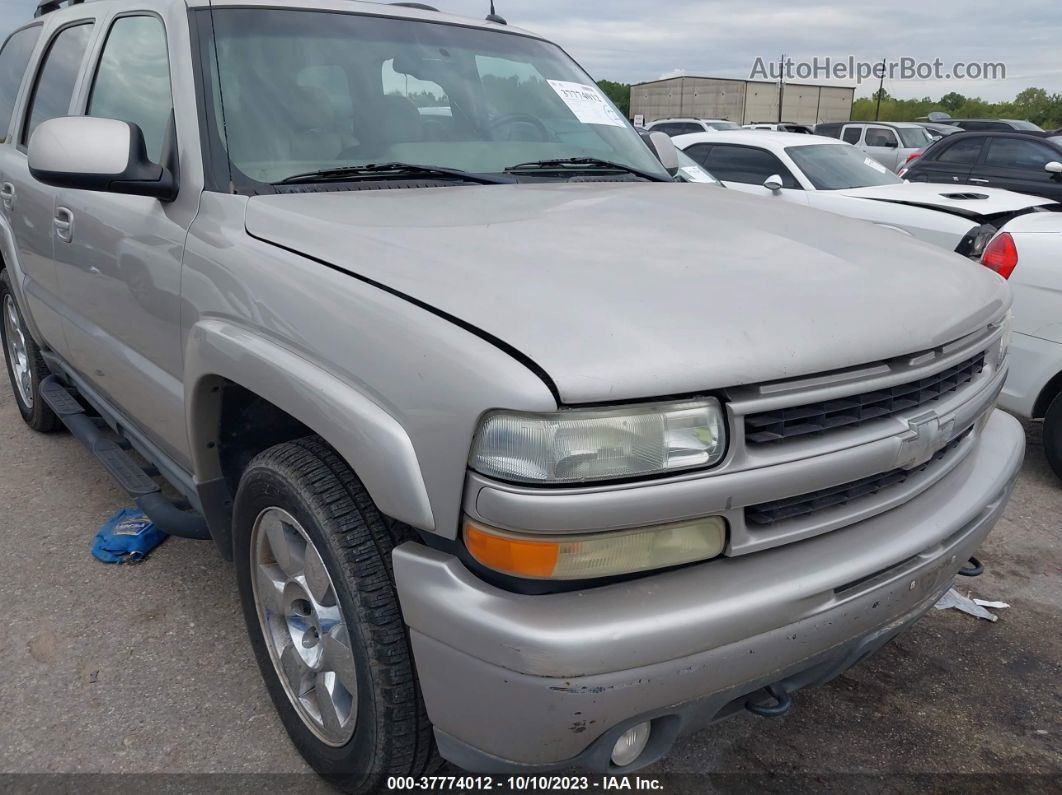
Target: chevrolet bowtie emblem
(926, 435)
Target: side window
(133, 80)
(963, 153)
(747, 164)
(879, 136)
(57, 77)
(1015, 153)
(689, 127)
(851, 135)
(700, 153)
(14, 59)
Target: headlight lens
(586, 445)
(591, 555)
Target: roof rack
(48, 6)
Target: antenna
(493, 17)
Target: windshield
(1026, 125)
(916, 137)
(722, 125)
(300, 91)
(836, 167)
(692, 171)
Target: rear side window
(14, 59)
(58, 76)
(879, 136)
(1015, 153)
(963, 153)
(133, 80)
(746, 164)
(851, 135)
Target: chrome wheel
(303, 626)
(18, 352)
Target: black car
(1020, 161)
(993, 125)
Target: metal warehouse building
(742, 101)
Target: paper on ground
(975, 607)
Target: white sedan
(1029, 254)
(832, 175)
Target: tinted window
(699, 152)
(13, 62)
(832, 130)
(879, 136)
(746, 164)
(133, 80)
(55, 84)
(982, 125)
(1015, 153)
(963, 152)
(851, 134)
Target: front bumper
(534, 683)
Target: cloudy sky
(635, 40)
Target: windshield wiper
(391, 171)
(583, 164)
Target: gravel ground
(146, 669)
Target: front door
(119, 268)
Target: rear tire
(1053, 435)
(25, 365)
(332, 646)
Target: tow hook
(783, 702)
(973, 568)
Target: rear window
(14, 59)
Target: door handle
(7, 195)
(979, 181)
(64, 224)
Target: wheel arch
(1051, 390)
(245, 393)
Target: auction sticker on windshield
(587, 103)
(874, 164)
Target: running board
(136, 482)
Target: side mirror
(666, 151)
(106, 155)
(1054, 167)
(773, 183)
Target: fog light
(630, 745)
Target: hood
(969, 201)
(632, 290)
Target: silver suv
(525, 455)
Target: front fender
(371, 441)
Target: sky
(635, 40)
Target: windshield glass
(836, 167)
(307, 90)
(692, 171)
(916, 137)
(723, 125)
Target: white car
(831, 175)
(1029, 255)
(675, 127)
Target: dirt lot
(146, 669)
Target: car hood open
(969, 201)
(631, 290)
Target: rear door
(28, 204)
(1017, 162)
(950, 160)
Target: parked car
(1028, 254)
(525, 454)
(890, 143)
(831, 175)
(1001, 125)
(682, 126)
(1023, 162)
(938, 130)
(782, 126)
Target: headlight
(591, 555)
(582, 445)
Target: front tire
(25, 365)
(313, 562)
(1053, 435)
